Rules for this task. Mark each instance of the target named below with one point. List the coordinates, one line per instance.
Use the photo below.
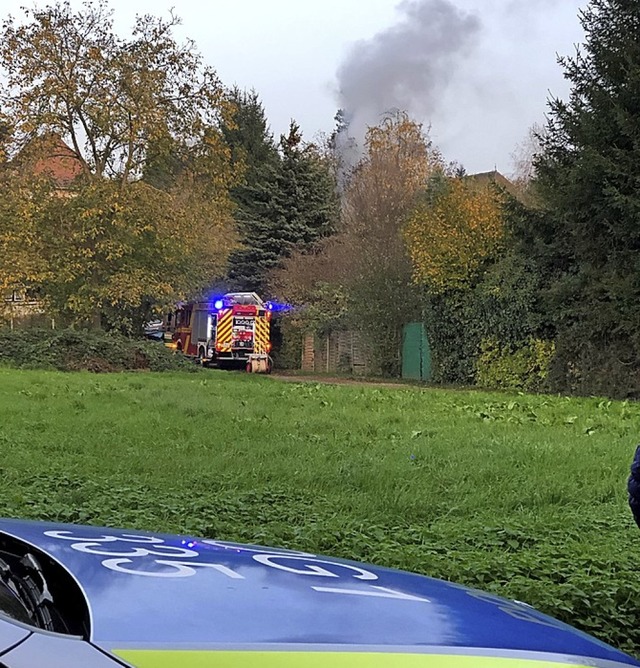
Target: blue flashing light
(218, 304)
(277, 307)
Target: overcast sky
(479, 72)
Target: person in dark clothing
(633, 486)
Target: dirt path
(341, 380)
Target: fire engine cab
(231, 331)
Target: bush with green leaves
(501, 304)
(93, 350)
(522, 367)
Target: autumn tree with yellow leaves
(479, 290)
(67, 72)
(22, 209)
(121, 254)
(452, 235)
(113, 248)
(361, 277)
(456, 225)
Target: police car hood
(157, 590)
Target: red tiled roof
(57, 161)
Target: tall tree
(309, 202)
(588, 172)
(343, 149)
(67, 72)
(254, 151)
(290, 206)
(398, 162)
(455, 226)
(362, 275)
(247, 133)
(141, 107)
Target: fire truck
(232, 331)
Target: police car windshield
(36, 590)
(11, 606)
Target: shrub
(517, 368)
(585, 366)
(76, 350)
(286, 337)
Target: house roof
(59, 162)
(48, 155)
(496, 178)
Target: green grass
(520, 495)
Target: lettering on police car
(311, 568)
(240, 547)
(157, 551)
(125, 558)
(373, 590)
(123, 538)
(180, 569)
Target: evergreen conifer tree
(287, 202)
(588, 173)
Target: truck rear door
(243, 332)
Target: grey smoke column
(406, 66)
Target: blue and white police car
(84, 597)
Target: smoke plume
(406, 66)
(478, 83)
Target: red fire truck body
(233, 331)
(188, 329)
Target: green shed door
(416, 355)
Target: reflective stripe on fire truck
(261, 336)
(223, 331)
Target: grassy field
(515, 494)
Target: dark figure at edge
(633, 486)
